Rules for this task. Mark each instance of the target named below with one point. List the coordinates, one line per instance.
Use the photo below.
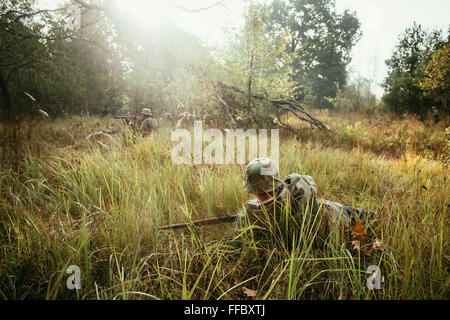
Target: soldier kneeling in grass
(282, 204)
(149, 123)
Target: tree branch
(286, 104)
(218, 3)
(30, 14)
(91, 6)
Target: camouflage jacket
(148, 125)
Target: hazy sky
(381, 22)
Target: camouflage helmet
(261, 176)
(147, 112)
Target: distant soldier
(263, 179)
(149, 123)
(435, 114)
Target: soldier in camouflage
(149, 123)
(435, 114)
(262, 178)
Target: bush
(352, 134)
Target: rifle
(201, 222)
(125, 117)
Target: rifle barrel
(201, 222)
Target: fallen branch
(296, 108)
(289, 105)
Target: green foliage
(256, 62)
(436, 80)
(64, 70)
(322, 39)
(402, 91)
(19, 47)
(99, 68)
(352, 134)
(355, 97)
(113, 64)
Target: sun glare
(149, 13)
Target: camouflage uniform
(299, 191)
(149, 123)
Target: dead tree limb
(290, 105)
(296, 108)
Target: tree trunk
(5, 93)
(249, 99)
(358, 103)
(86, 106)
(445, 112)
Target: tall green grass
(98, 206)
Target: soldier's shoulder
(301, 185)
(149, 122)
(294, 178)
